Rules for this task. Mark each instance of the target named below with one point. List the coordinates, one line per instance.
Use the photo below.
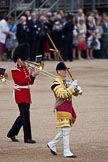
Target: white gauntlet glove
(74, 84)
(76, 87)
(68, 83)
(79, 90)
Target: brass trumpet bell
(31, 64)
(40, 67)
(3, 77)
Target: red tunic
(21, 78)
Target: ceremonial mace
(58, 52)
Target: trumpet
(39, 67)
(4, 79)
(31, 65)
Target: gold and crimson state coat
(65, 114)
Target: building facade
(67, 5)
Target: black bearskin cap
(22, 51)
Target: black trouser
(9, 52)
(22, 120)
(67, 51)
(42, 46)
(34, 48)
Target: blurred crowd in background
(77, 36)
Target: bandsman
(22, 78)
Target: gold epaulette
(58, 80)
(60, 90)
(15, 68)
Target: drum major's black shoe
(53, 152)
(73, 156)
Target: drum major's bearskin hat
(61, 66)
(21, 51)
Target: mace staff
(58, 52)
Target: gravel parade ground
(89, 134)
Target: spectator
(80, 14)
(82, 45)
(44, 27)
(22, 30)
(11, 36)
(34, 42)
(91, 35)
(96, 15)
(75, 37)
(67, 38)
(28, 15)
(3, 32)
(105, 37)
(99, 31)
(57, 36)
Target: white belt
(17, 86)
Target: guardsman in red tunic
(65, 114)
(22, 78)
